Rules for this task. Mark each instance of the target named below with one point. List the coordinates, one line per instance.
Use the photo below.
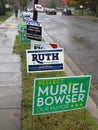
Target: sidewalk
(10, 78)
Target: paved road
(10, 78)
(78, 37)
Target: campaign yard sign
(43, 45)
(23, 37)
(34, 32)
(45, 60)
(22, 31)
(21, 26)
(60, 94)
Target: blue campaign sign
(45, 60)
(33, 22)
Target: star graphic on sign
(72, 105)
(70, 84)
(81, 104)
(76, 105)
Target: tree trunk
(3, 7)
(96, 8)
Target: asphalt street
(78, 37)
(71, 69)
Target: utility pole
(35, 13)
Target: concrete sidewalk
(10, 78)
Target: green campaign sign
(23, 37)
(22, 31)
(21, 25)
(60, 94)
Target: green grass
(85, 12)
(5, 17)
(72, 120)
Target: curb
(87, 17)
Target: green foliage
(91, 4)
(72, 120)
(52, 4)
(2, 7)
(3, 18)
(85, 12)
(23, 3)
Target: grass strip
(85, 13)
(71, 120)
(6, 16)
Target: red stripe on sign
(54, 45)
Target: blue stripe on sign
(36, 51)
(45, 67)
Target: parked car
(39, 8)
(46, 10)
(51, 11)
(66, 12)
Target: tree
(23, 4)
(96, 8)
(53, 4)
(91, 4)
(2, 7)
(70, 3)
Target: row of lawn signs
(25, 26)
(43, 56)
(39, 59)
(29, 32)
(57, 94)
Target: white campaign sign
(43, 45)
(45, 60)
